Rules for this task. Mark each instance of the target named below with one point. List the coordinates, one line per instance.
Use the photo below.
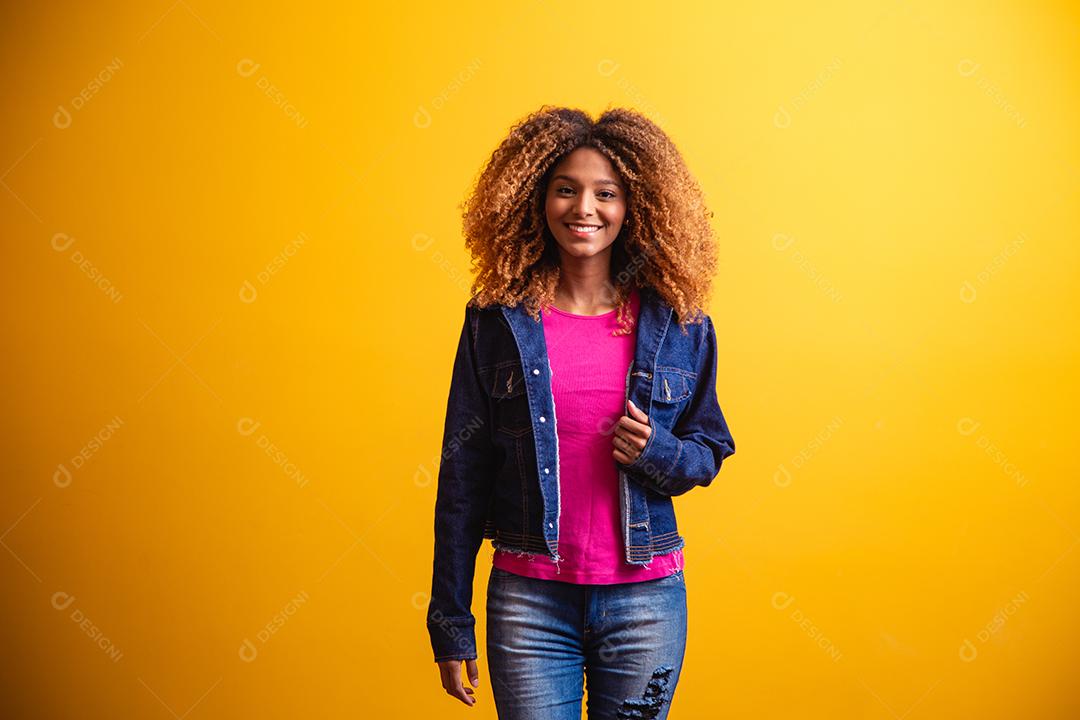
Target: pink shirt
(588, 383)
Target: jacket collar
(653, 320)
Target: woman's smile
(583, 230)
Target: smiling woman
(588, 354)
(585, 201)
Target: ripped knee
(651, 701)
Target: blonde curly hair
(666, 242)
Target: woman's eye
(605, 194)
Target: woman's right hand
(450, 673)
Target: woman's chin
(582, 247)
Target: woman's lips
(584, 230)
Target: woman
(595, 257)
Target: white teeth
(584, 228)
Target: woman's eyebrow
(599, 181)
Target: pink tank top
(588, 382)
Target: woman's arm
(690, 454)
(466, 472)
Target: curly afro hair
(666, 242)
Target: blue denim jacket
(499, 469)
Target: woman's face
(585, 203)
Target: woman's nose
(584, 206)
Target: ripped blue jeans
(549, 641)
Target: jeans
(546, 639)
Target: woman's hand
(450, 673)
(631, 433)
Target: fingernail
(475, 682)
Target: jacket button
(536, 371)
(547, 471)
(543, 419)
(551, 524)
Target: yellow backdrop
(234, 280)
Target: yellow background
(895, 188)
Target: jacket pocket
(506, 383)
(672, 385)
(671, 393)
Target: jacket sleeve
(691, 453)
(464, 486)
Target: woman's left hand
(630, 435)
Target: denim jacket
(499, 468)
